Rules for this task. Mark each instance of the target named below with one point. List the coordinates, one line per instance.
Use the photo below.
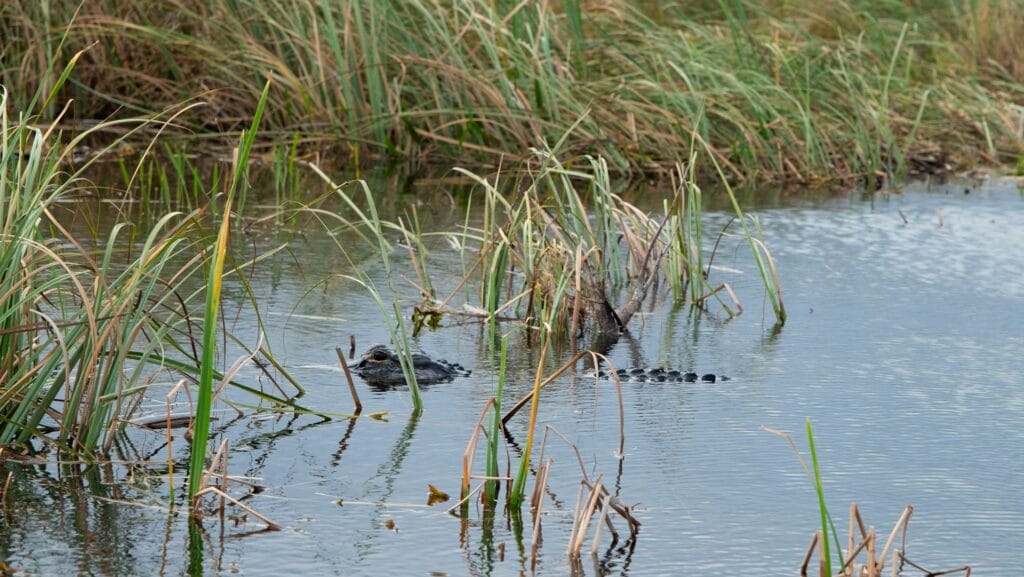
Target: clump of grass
(798, 90)
(860, 539)
(83, 332)
(598, 500)
(568, 249)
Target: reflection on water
(903, 348)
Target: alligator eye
(379, 355)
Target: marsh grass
(598, 500)
(204, 402)
(563, 255)
(84, 332)
(865, 540)
(860, 539)
(567, 250)
(799, 90)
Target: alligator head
(380, 366)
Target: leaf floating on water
(339, 502)
(381, 416)
(436, 495)
(390, 524)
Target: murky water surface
(903, 347)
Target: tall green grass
(84, 329)
(819, 489)
(215, 279)
(568, 255)
(828, 527)
(71, 322)
(798, 90)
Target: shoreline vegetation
(800, 91)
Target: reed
(204, 402)
(796, 90)
(814, 475)
(516, 494)
(758, 249)
(568, 249)
(825, 517)
(495, 433)
(84, 331)
(71, 322)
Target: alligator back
(661, 375)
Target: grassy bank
(797, 89)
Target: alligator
(661, 375)
(380, 366)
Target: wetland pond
(904, 347)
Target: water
(903, 348)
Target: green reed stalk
(399, 335)
(493, 287)
(491, 486)
(762, 258)
(692, 237)
(515, 497)
(826, 519)
(204, 400)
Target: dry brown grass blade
(576, 450)
(539, 488)
(901, 523)
(965, 569)
(224, 496)
(584, 517)
(810, 554)
(622, 510)
(181, 384)
(540, 484)
(728, 290)
(605, 507)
